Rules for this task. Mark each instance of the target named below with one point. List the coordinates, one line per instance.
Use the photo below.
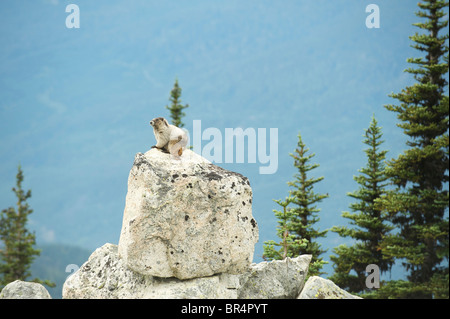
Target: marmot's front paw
(161, 149)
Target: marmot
(169, 138)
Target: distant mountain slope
(54, 260)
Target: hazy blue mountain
(56, 263)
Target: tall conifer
(419, 205)
(299, 215)
(176, 108)
(370, 224)
(16, 251)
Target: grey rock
(320, 288)
(186, 218)
(278, 279)
(24, 290)
(105, 275)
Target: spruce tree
(17, 252)
(370, 224)
(418, 207)
(290, 245)
(299, 215)
(176, 108)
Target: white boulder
(186, 218)
(277, 279)
(320, 288)
(24, 290)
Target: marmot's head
(159, 122)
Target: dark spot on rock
(186, 217)
(243, 203)
(189, 185)
(175, 176)
(214, 220)
(171, 252)
(184, 175)
(250, 200)
(139, 160)
(244, 219)
(223, 261)
(213, 176)
(209, 196)
(253, 222)
(226, 211)
(232, 185)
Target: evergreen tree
(176, 108)
(370, 224)
(290, 244)
(296, 222)
(17, 252)
(419, 205)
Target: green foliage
(17, 251)
(296, 221)
(437, 288)
(290, 245)
(370, 224)
(176, 108)
(418, 205)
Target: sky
(75, 103)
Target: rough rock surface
(278, 279)
(320, 288)
(104, 275)
(24, 290)
(186, 218)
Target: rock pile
(187, 232)
(106, 276)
